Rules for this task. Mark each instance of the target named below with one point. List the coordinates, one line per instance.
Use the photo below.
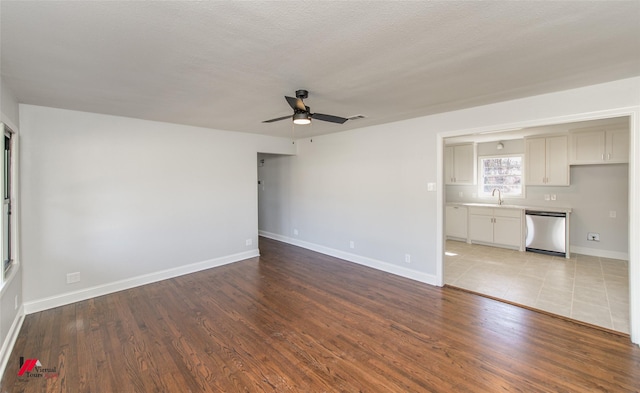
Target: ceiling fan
(302, 113)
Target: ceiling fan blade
(277, 119)
(295, 103)
(329, 118)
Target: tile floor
(586, 288)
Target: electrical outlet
(547, 197)
(295, 232)
(460, 194)
(248, 242)
(407, 258)
(553, 197)
(352, 244)
(593, 236)
(431, 186)
(73, 277)
(612, 214)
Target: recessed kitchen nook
(539, 217)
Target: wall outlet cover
(73, 277)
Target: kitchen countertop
(554, 209)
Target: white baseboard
(105, 289)
(599, 253)
(369, 262)
(10, 340)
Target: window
(7, 224)
(502, 172)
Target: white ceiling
(228, 64)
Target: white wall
(8, 106)
(10, 315)
(370, 185)
(126, 201)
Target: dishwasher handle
(543, 213)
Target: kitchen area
(539, 217)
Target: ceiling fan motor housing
(302, 113)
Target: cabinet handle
(602, 156)
(608, 156)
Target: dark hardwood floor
(297, 321)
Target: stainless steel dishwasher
(546, 232)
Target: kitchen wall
(11, 289)
(125, 201)
(595, 191)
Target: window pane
(502, 173)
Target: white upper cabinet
(460, 164)
(547, 161)
(599, 147)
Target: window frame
(480, 177)
(8, 222)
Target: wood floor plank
(296, 321)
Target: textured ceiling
(228, 64)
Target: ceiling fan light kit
(301, 118)
(302, 114)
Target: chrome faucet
(493, 193)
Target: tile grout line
(544, 279)
(606, 293)
(573, 287)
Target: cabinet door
(481, 228)
(507, 231)
(456, 221)
(557, 164)
(617, 146)
(464, 164)
(448, 165)
(587, 147)
(535, 159)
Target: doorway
(274, 200)
(593, 285)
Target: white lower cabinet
(497, 226)
(456, 222)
